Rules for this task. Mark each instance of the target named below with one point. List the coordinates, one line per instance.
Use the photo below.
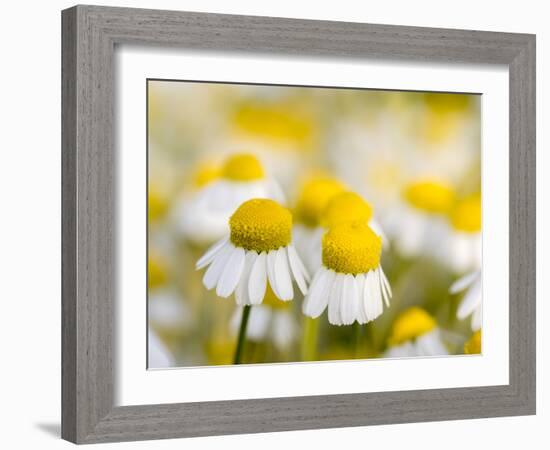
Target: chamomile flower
(465, 239)
(308, 230)
(350, 281)
(419, 225)
(271, 320)
(203, 218)
(471, 303)
(258, 250)
(473, 345)
(415, 333)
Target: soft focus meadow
(345, 224)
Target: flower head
(465, 216)
(473, 345)
(314, 197)
(242, 167)
(257, 250)
(430, 196)
(411, 324)
(350, 281)
(346, 207)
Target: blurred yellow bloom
(271, 300)
(157, 270)
(314, 197)
(431, 196)
(466, 214)
(346, 207)
(242, 167)
(205, 173)
(278, 122)
(157, 203)
(410, 324)
(473, 345)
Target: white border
(136, 385)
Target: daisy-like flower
(308, 230)
(415, 333)
(465, 239)
(418, 225)
(258, 250)
(271, 320)
(350, 281)
(471, 303)
(203, 218)
(473, 345)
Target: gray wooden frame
(90, 34)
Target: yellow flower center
(466, 214)
(313, 199)
(473, 345)
(261, 225)
(205, 174)
(351, 248)
(412, 323)
(430, 196)
(243, 167)
(346, 207)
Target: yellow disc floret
(261, 225)
(466, 214)
(314, 197)
(242, 167)
(473, 345)
(351, 248)
(205, 174)
(346, 207)
(412, 323)
(430, 196)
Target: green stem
(309, 340)
(242, 335)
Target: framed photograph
(278, 224)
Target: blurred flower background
(405, 164)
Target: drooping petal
(476, 318)
(282, 275)
(317, 297)
(241, 293)
(386, 285)
(231, 274)
(296, 267)
(470, 301)
(361, 315)
(214, 272)
(211, 253)
(349, 308)
(271, 258)
(463, 282)
(334, 301)
(258, 280)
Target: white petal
(463, 282)
(231, 274)
(298, 261)
(282, 275)
(241, 293)
(476, 318)
(275, 191)
(317, 298)
(386, 285)
(335, 297)
(349, 309)
(258, 280)
(361, 315)
(215, 270)
(271, 258)
(470, 302)
(372, 295)
(377, 228)
(295, 263)
(211, 253)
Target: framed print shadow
(267, 222)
